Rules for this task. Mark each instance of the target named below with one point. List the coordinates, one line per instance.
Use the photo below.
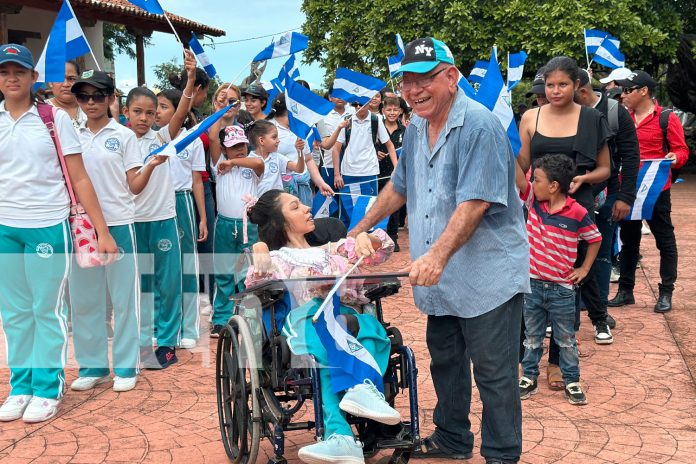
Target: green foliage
(162, 72)
(360, 33)
(118, 40)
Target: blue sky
(230, 60)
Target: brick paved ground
(642, 394)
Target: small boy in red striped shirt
(555, 225)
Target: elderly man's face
(430, 94)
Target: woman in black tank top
(563, 126)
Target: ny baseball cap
(13, 53)
(422, 55)
(233, 135)
(616, 75)
(97, 79)
(638, 79)
(538, 87)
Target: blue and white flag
(395, 61)
(465, 85)
(289, 71)
(203, 59)
(362, 205)
(349, 361)
(186, 138)
(478, 72)
(305, 108)
(289, 43)
(515, 68)
(652, 178)
(595, 37)
(354, 87)
(151, 6)
(323, 206)
(66, 41)
(608, 54)
(494, 95)
(272, 89)
(314, 136)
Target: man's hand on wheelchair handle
(426, 270)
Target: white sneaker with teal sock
(338, 449)
(365, 400)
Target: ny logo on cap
(420, 49)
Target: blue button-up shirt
(471, 160)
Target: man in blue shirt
(470, 253)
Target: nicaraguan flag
(354, 87)
(494, 95)
(323, 206)
(202, 56)
(395, 61)
(350, 363)
(595, 37)
(608, 54)
(362, 205)
(652, 178)
(151, 6)
(305, 108)
(289, 71)
(186, 138)
(66, 41)
(515, 68)
(478, 72)
(273, 92)
(289, 43)
(466, 86)
(314, 136)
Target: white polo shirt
(183, 164)
(327, 126)
(156, 202)
(108, 154)
(275, 165)
(232, 186)
(360, 157)
(287, 144)
(33, 188)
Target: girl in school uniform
(35, 240)
(264, 136)
(238, 177)
(112, 158)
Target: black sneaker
(429, 449)
(528, 387)
(611, 322)
(603, 334)
(215, 331)
(575, 395)
(166, 356)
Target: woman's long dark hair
(267, 214)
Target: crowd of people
(249, 183)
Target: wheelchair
(259, 389)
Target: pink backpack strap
(48, 116)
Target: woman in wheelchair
(282, 253)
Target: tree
(162, 72)
(118, 40)
(649, 29)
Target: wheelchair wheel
(237, 380)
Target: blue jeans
(554, 302)
(491, 342)
(602, 265)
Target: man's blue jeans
(602, 265)
(491, 342)
(554, 302)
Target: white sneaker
(124, 384)
(187, 343)
(40, 409)
(338, 449)
(365, 400)
(13, 407)
(88, 383)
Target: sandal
(429, 449)
(554, 377)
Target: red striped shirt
(554, 237)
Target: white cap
(616, 75)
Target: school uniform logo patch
(153, 147)
(246, 173)
(181, 232)
(44, 250)
(112, 144)
(273, 167)
(184, 155)
(164, 245)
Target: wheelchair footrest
(307, 425)
(391, 444)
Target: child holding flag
(264, 136)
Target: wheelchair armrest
(383, 290)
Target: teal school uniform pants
(159, 258)
(188, 235)
(230, 267)
(88, 290)
(35, 264)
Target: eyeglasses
(422, 82)
(628, 90)
(85, 97)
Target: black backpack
(374, 126)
